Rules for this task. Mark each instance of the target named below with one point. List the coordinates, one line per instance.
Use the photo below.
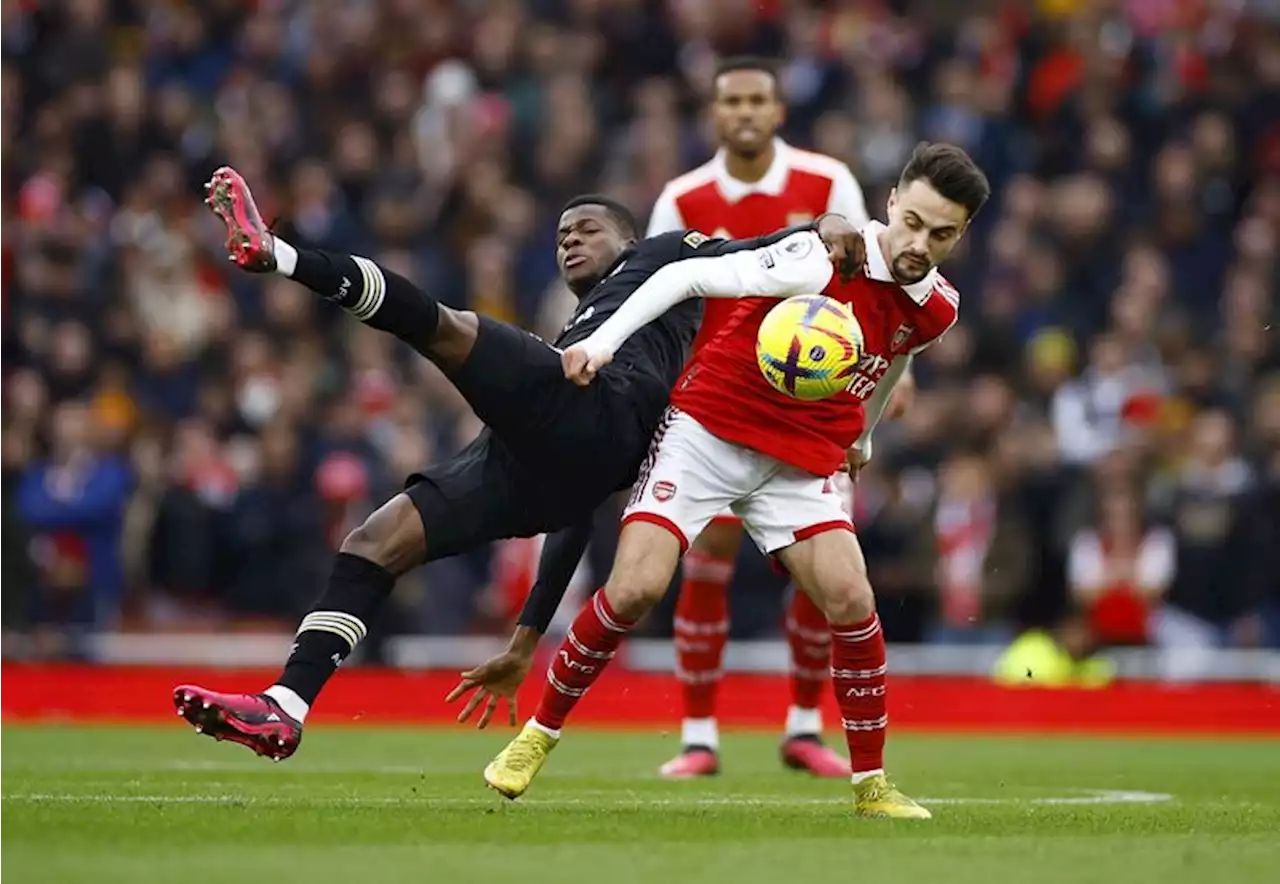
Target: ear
(891, 201)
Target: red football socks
(809, 637)
(858, 676)
(701, 631)
(586, 650)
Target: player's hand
(903, 395)
(493, 681)
(580, 366)
(854, 461)
(845, 245)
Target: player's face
(746, 111)
(924, 226)
(587, 242)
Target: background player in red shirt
(730, 439)
(755, 184)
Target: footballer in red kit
(723, 389)
(730, 440)
(755, 184)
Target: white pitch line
(1096, 796)
(1093, 796)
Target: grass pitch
(369, 806)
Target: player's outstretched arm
(498, 678)
(795, 264)
(560, 557)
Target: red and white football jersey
(723, 389)
(798, 187)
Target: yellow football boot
(876, 796)
(516, 766)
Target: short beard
(903, 280)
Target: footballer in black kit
(550, 453)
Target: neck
(883, 246)
(884, 250)
(750, 169)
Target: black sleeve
(677, 245)
(698, 246)
(560, 556)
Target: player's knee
(848, 599)
(642, 569)
(455, 337)
(391, 537)
(632, 595)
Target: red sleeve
(936, 315)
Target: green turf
(364, 806)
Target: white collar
(878, 269)
(772, 184)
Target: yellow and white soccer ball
(809, 346)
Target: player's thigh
(477, 497)
(643, 566)
(688, 478)
(800, 519)
(392, 536)
(790, 506)
(831, 568)
(513, 381)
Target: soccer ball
(809, 346)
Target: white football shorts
(692, 476)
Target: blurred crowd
(1094, 448)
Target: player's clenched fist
(854, 461)
(845, 245)
(581, 365)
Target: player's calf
(809, 638)
(701, 633)
(646, 558)
(830, 567)
(388, 544)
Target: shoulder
(688, 182)
(672, 244)
(940, 312)
(948, 293)
(819, 164)
(931, 313)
